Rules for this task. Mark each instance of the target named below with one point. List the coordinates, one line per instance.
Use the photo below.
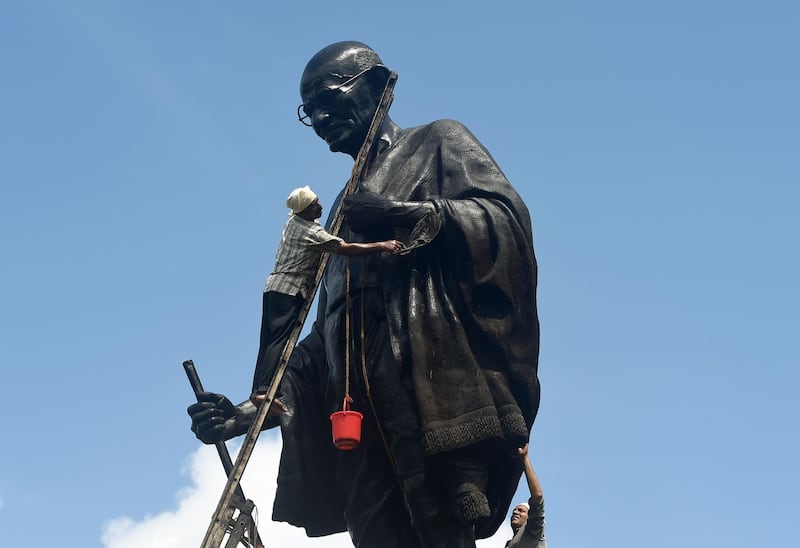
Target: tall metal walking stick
(243, 529)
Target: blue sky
(146, 149)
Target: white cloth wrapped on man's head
(299, 199)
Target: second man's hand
(276, 408)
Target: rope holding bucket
(346, 424)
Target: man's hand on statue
(523, 451)
(211, 417)
(393, 246)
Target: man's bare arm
(533, 482)
(352, 249)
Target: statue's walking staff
(245, 526)
(224, 512)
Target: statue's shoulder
(443, 130)
(447, 126)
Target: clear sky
(146, 149)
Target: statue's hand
(213, 417)
(365, 209)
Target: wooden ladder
(232, 499)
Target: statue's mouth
(336, 131)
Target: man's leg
(278, 315)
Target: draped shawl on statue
(462, 319)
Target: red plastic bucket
(346, 428)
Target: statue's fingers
(202, 408)
(208, 417)
(214, 399)
(198, 407)
(211, 397)
(211, 430)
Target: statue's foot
(472, 503)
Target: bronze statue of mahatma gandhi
(449, 333)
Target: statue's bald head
(341, 88)
(341, 59)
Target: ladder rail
(217, 527)
(225, 457)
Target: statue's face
(340, 103)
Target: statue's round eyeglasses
(325, 97)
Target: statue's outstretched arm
(215, 418)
